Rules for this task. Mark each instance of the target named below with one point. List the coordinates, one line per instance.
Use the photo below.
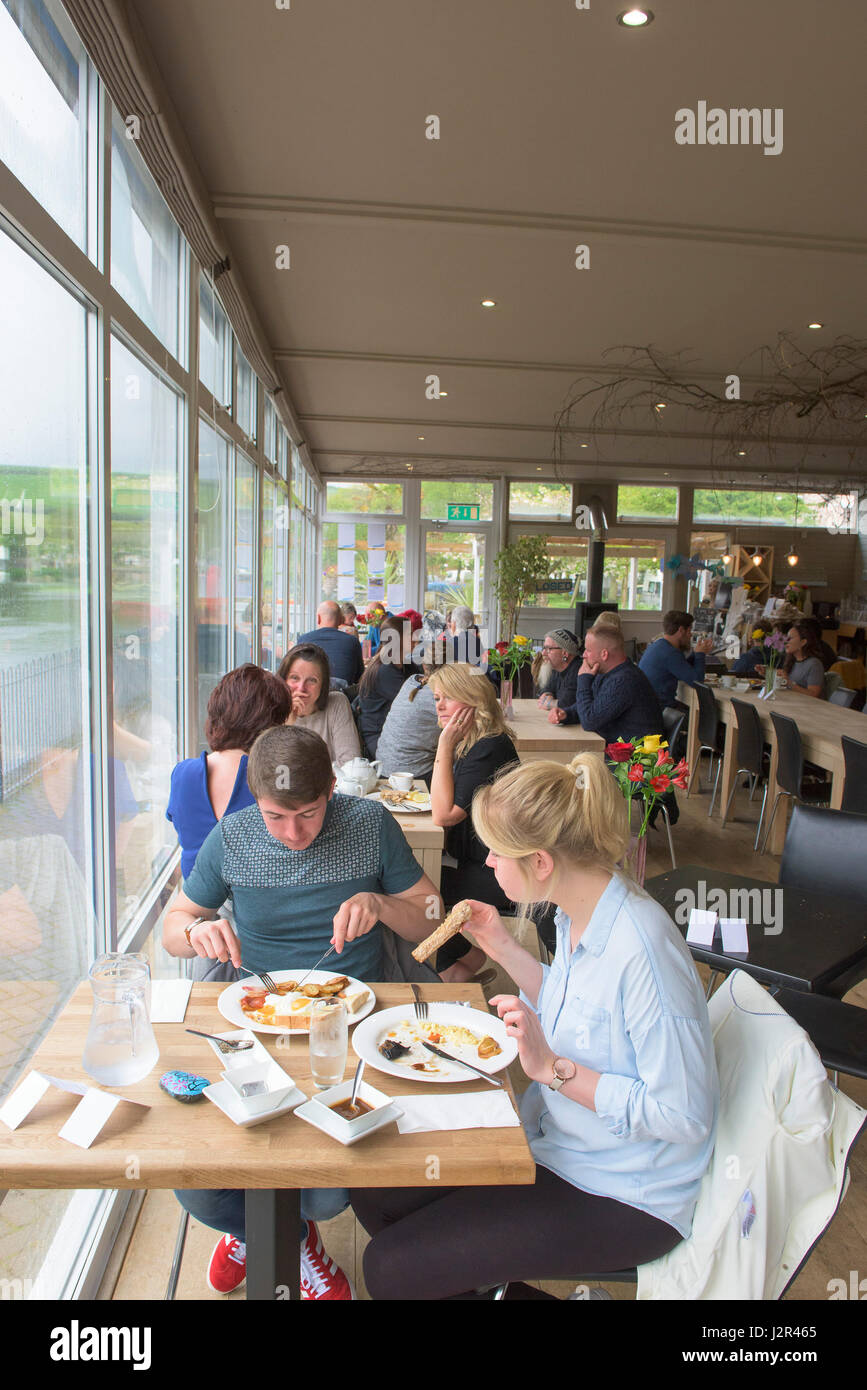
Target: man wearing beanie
(560, 650)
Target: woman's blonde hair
(467, 684)
(576, 812)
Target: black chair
(838, 1031)
(673, 721)
(750, 756)
(825, 852)
(842, 696)
(708, 733)
(790, 769)
(855, 785)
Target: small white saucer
(225, 1099)
(320, 1117)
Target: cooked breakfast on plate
(449, 927)
(290, 1006)
(404, 1044)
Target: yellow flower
(653, 743)
(758, 634)
(521, 641)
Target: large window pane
(281, 556)
(267, 573)
(43, 108)
(365, 497)
(246, 405)
(270, 441)
(245, 499)
(215, 345)
(540, 501)
(752, 507)
(146, 434)
(437, 494)
(633, 573)
(47, 926)
(652, 503)
(146, 244)
(364, 561)
(212, 544)
(567, 582)
(454, 571)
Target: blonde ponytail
(574, 811)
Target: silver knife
(448, 1058)
(328, 953)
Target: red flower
(502, 647)
(682, 768)
(635, 773)
(662, 757)
(660, 784)
(619, 752)
(679, 781)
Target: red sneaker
(320, 1276)
(228, 1268)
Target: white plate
(405, 807)
(230, 1006)
(222, 1095)
(320, 1116)
(365, 1040)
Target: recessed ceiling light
(421, 436)
(489, 303)
(587, 446)
(444, 393)
(635, 18)
(815, 325)
(660, 405)
(742, 453)
(538, 468)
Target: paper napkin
(477, 1110)
(169, 1000)
(702, 926)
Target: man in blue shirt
(665, 662)
(342, 649)
(614, 698)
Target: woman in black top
(475, 743)
(383, 678)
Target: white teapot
(357, 777)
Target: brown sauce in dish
(347, 1111)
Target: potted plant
(508, 658)
(521, 567)
(644, 769)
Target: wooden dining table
(425, 839)
(820, 725)
(536, 738)
(174, 1145)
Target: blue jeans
(223, 1208)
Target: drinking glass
(329, 1038)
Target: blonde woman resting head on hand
(615, 1039)
(475, 744)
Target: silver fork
(420, 1005)
(265, 978)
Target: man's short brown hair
(246, 701)
(674, 620)
(291, 766)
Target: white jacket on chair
(778, 1169)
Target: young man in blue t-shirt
(305, 869)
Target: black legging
(432, 1243)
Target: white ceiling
(557, 128)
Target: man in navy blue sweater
(665, 662)
(614, 698)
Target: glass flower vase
(506, 688)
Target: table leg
(838, 779)
(432, 864)
(692, 735)
(273, 1220)
(728, 768)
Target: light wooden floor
(145, 1270)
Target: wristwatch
(188, 929)
(564, 1070)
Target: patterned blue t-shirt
(285, 900)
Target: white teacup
(401, 781)
(728, 681)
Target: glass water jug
(121, 1047)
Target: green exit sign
(463, 511)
